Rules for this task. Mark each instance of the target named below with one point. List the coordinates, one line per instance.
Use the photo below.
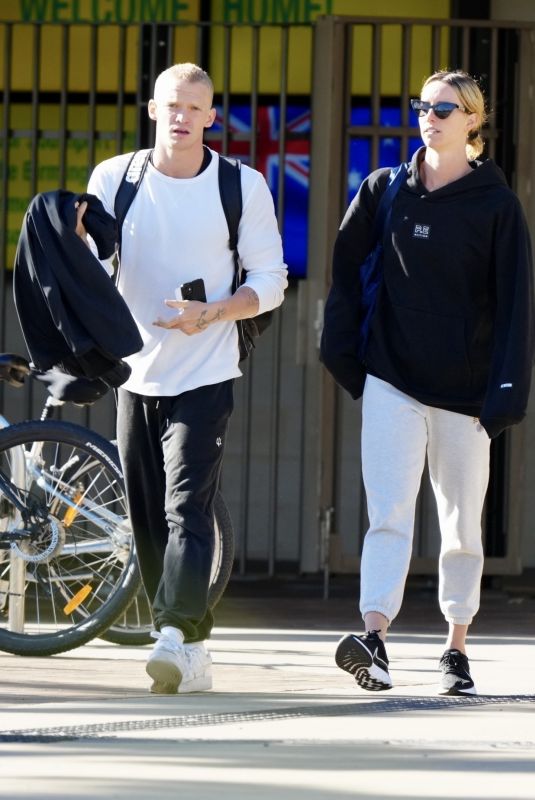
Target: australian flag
(292, 204)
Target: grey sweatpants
(397, 433)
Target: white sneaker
(198, 678)
(179, 668)
(168, 664)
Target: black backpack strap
(229, 174)
(129, 185)
(395, 179)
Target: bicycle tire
(77, 571)
(134, 626)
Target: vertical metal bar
(153, 70)
(34, 164)
(247, 379)
(34, 125)
(139, 130)
(273, 482)
(376, 91)
(255, 77)
(435, 48)
(327, 187)
(493, 83)
(199, 46)
(169, 47)
(92, 121)
(283, 106)
(63, 122)
(246, 431)
(91, 132)
(348, 35)
(227, 54)
(6, 69)
(406, 33)
(121, 78)
(466, 48)
(153, 54)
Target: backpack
(229, 176)
(348, 314)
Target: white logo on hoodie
(421, 231)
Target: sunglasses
(441, 110)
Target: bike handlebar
(60, 385)
(13, 369)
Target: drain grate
(73, 732)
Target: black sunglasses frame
(441, 110)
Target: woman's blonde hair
(471, 98)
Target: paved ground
(282, 722)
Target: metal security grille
(80, 95)
(291, 475)
(364, 68)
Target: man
(173, 412)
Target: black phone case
(193, 290)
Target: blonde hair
(184, 72)
(471, 98)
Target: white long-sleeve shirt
(176, 231)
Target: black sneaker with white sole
(365, 658)
(455, 679)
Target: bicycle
(68, 567)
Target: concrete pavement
(282, 721)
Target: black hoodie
(70, 311)
(453, 326)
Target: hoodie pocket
(431, 351)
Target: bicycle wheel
(68, 565)
(134, 626)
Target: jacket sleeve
(341, 325)
(512, 360)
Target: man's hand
(194, 317)
(191, 316)
(81, 208)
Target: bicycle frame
(25, 470)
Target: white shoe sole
(201, 683)
(354, 657)
(373, 678)
(453, 692)
(164, 672)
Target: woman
(448, 364)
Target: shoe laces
(452, 660)
(196, 656)
(164, 642)
(372, 637)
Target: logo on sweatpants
(421, 231)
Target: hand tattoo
(203, 322)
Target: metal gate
(349, 75)
(75, 94)
(291, 475)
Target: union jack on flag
(292, 206)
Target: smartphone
(194, 290)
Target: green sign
(106, 11)
(276, 11)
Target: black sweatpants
(171, 451)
